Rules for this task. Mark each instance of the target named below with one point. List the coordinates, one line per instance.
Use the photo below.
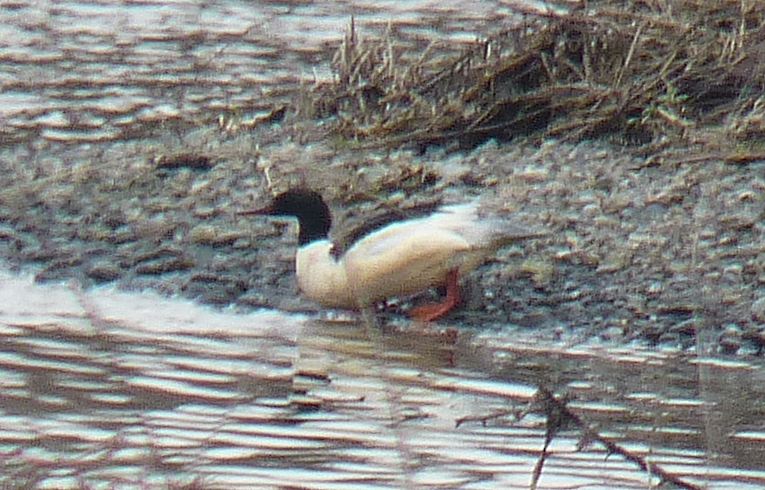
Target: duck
(391, 257)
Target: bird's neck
(313, 228)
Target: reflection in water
(140, 391)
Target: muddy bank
(663, 254)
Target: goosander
(397, 259)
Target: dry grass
(640, 73)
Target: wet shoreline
(107, 387)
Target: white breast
(321, 278)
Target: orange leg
(434, 311)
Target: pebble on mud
(758, 310)
(214, 236)
(164, 265)
(104, 271)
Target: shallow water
(77, 71)
(106, 388)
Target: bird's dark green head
(307, 206)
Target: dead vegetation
(645, 73)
